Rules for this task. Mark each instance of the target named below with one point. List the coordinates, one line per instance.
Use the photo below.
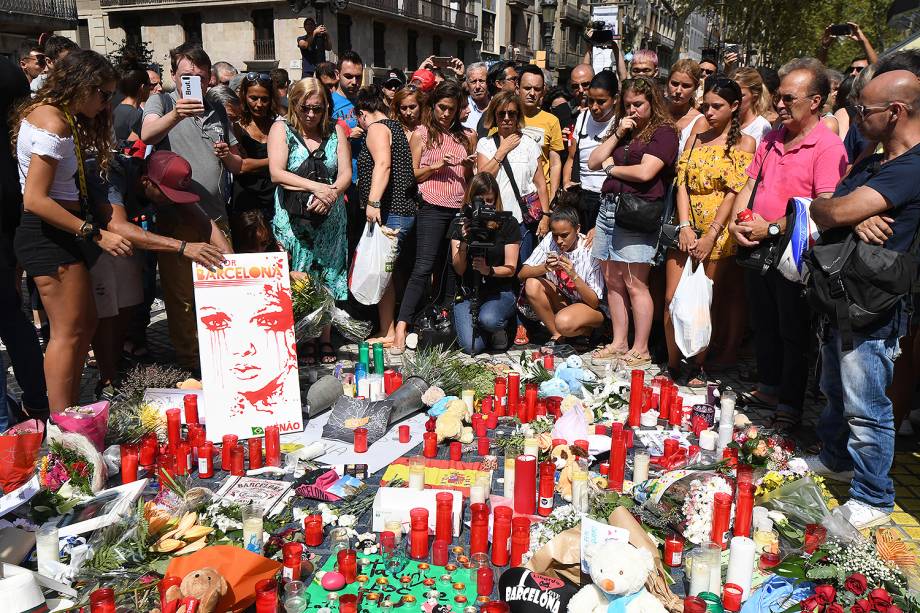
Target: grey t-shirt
(194, 138)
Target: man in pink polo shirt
(801, 158)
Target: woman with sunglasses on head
(67, 121)
(406, 108)
(443, 162)
(312, 230)
(590, 129)
(637, 159)
(710, 173)
(253, 189)
(683, 82)
(388, 189)
(755, 104)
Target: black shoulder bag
(88, 247)
(670, 233)
(297, 204)
(531, 209)
(635, 213)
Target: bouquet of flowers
(681, 501)
(66, 472)
(130, 418)
(561, 519)
(608, 401)
(761, 450)
(314, 309)
(797, 469)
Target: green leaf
(792, 568)
(822, 572)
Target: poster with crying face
(246, 341)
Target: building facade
(22, 19)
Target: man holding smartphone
(853, 32)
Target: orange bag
(240, 568)
(19, 448)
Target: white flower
(798, 466)
(347, 521)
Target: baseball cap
(394, 78)
(425, 79)
(173, 174)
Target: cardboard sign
(246, 342)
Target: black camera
(599, 33)
(483, 223)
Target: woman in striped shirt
(443, 159)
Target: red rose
(430, 424)
(880, 599)
(895, 609)
(825, 594)
(834, 607)
(856, 583)
(861, 606)
(811, 603)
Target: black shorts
(41, 248)
(588, 208)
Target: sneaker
(861, 515)
(817, 466)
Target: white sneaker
(815, 465)
(862, 515)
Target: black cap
(395, 77)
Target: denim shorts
(615, 244)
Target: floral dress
(709, 175)
(320, 251)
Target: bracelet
(374, 204)
(607, 169)
(683, 224)
(720, 226)
(182, 245)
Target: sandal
(520, 337)
(631, 359)
(327, 356)
(696, 378)
(607, 352)
(309, 353)
(750, 400)
(783, 423)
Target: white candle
(713, 553)
(395, 526)
(649, 419)
(725, 435)
(640, 467)
(580, 491)
(468, 397)
(727, 406)
(532, 447)
(484, 479)
(477, 494)
(708, 440)
(741, 564)
(47, 548)
(509, 478)
(364, 388)
(699, 572)
(252, 532)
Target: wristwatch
(683, 224)
(374, 204)
(545, 214)
(773, 229)
(87, 230)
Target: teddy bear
(618, 573)
(565, 458)
(450, 423)
(205, 584)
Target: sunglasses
(862, 111)
(856, 69)
(506, 114)
(707, 71)
(306, 110)
(105, 94)
(583, 85)
(258, 76)
(512, 79)
(789, 99)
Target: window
(343, 25)
(380, 52)
(263, 29)
(83, 34)
(412, 49)
(191, 27)
(488, 32)
(461, 50)
(435, 45)
(131, 24)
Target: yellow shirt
(545, 129)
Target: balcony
(572, 13)
(34, 16)
(263, 49)
(571, 58)
(424, 12)
(520, 51)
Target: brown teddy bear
(205, 584)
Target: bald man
(579, 81)
(880, 201)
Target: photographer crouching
(484, 244)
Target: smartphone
(191, 87)
(731, 49)
(841, 29)
(441, 61)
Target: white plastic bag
(690, 310)
(373, 265)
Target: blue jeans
(402, 223)
(528, 242)
(857, 425)
(494, 315)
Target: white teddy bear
(618, 571)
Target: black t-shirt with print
(528, 592)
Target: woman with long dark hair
(69, 119)
(443, 162)
(252, 186)
(710, 173)
(637, 159)
(134, 86)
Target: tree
(133, 53)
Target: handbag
(88, 247)
(637, 214)
(298, 204)
(669, 235)
(531, 209)
(767, 253)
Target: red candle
(744, 474)
(360, 435)
(525, 484)
(520, 539)
(191, 409)
(292, 557)
(388, 380)
(196, 436)
(664, 400)
(673, 551)
(206, 460)
(173, 427)
(501, 395)
(600, 429)
(744, 509)
(102, 601)
(418, 533)
(514, 387)
(492, 420)
(255, 453)
(547, 488)
(511, 410)
(183, 458)
(149, 450)
(272, 446)
(267, 596)
(228, 442)
(630, 437)
(444, 517)
(236, 461)
(721, 507)
(646, 398)
(480, 428)
(430, 444)
(129, 459)
(167, 470)
(388, 542)
(636, 385)
(348, 603)
(456, 451)
(348, 564)
(483, 445)
(541, 407)
(501, 535)
(485, 581)
(479, 528)
(439, 554)
(604, 468)
(582, 443)
(530, 402)
(671, 445)
(404, 434)
(313, 530)
(617, 471)
(548, 362)
(676, 408)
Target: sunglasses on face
(863, 111)
(854, 70)
(258, 76)
(707, 71)
(506, 114)
(584, 85)
(789, 99)
(306, 109)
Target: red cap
(173, 174)
(424, 78)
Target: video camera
(483, 223)
(599, 33)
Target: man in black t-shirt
(880, 200)
(313, 46)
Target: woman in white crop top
(54, 239)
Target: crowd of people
(123, 184)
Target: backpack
(857, 284)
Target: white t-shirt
(588, 134)
(524, 160)
(475, 114)
(685, 133)
(757, 129)
(586, 266)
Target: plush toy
(205, 584)
(450, 423)
(618, 571)
(565, 458)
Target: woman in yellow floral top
(710, 172)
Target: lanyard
(81, 171)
